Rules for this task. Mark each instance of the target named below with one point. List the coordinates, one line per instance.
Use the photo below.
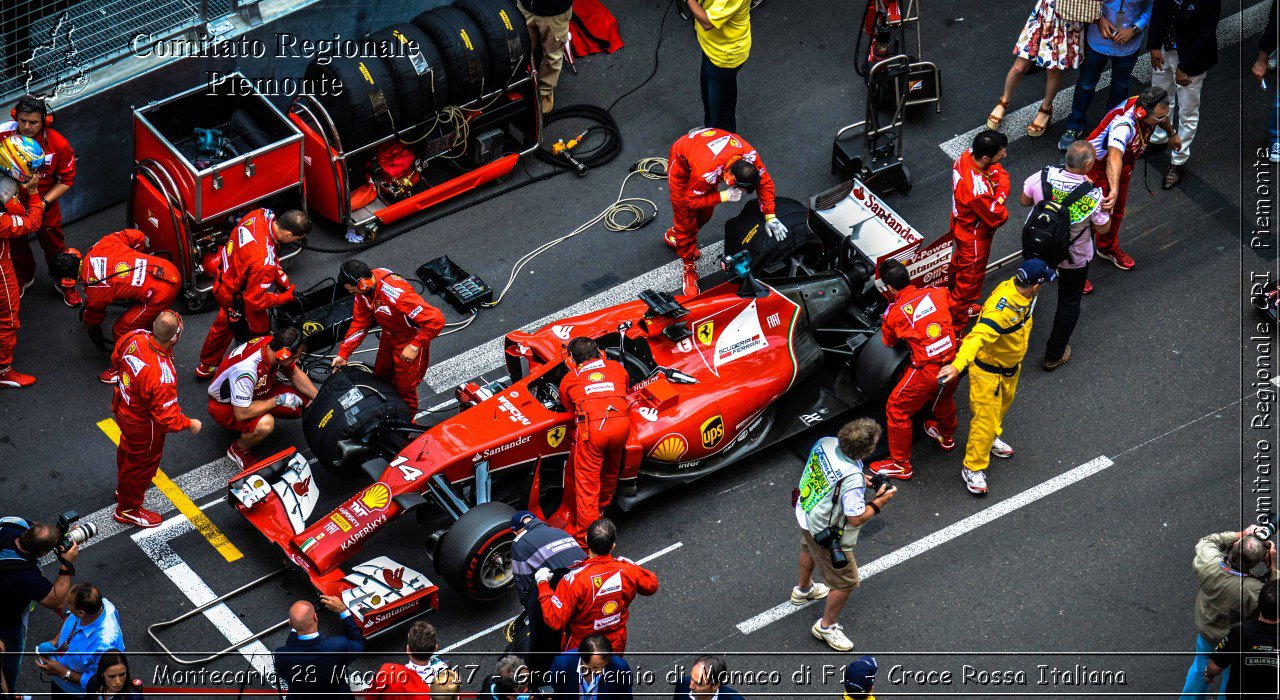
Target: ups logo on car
(712, 432)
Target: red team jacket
(60, 166)
(595, 390)
(922, 318)
(697, 166)
(977, 198)
(116, 269)
(250, 269)
(1120, 124)
(398, 309)
(17, 221)
(147, 388)
(594, 598)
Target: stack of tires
(465, 50)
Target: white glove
(777, 229)
(732, 194)
(542, 575)
(289, 400)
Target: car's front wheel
(474, 555)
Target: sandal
(994, 122)
(1035, 129)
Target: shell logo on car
(669, 449)
(376, 497)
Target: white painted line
(490, 630)
(444, 376)
(943, 536)
(1276, 380)
(1231, 30)
(155, 544)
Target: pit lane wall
(97, 118)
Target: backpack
(1047, 233)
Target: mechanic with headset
(1119, 141)
(33, 119)
(921, 318)
(699, 161)
(145, 406)
(979, 188)
(117, 270)
(249, 269)
(246, 395)
(595, 390)
(408, 324)
(20, 159)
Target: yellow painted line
(198, 519)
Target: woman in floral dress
(1050, 42)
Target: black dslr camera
(68, 535)
(830, 537)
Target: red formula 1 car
(715, 378)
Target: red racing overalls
(59, 169)
(922, 319)
(596, 597)
(146, 409)
(596, 391)
(1120, 128)
(977, 210)
(116, 270)
(249, 271)
(16, 223)
(404, 318)
(695, 168)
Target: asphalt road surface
(1079, 557)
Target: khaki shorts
(839, 579)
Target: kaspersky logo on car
(363, 532)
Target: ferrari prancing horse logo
(706, 332)
(555, 436)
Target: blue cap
(860, 674)
(1036, 271)
(517, 520)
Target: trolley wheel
(474, 556)
(906, 179)
(195, 302)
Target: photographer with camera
(22, 544)
(1225, 565)
(833, 475)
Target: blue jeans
(1090, 72)
(15, 640)
(1195, 677)
(719, 96)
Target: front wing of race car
(278, 497)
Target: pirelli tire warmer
(368, 107)
(350, 404)
(421, 81)
(505, 36)
(461, 43)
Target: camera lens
(82, 532)
(838, 558)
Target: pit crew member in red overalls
(1118, 142)
(33, 119)
(698, 163)
(146, 409)
(116, 270)
(595, 390)
(20, 158)
(249, 271)
(979, 187)
(408, 325)
(596, 596)
(246, 396)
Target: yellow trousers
(990, 396)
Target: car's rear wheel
(474, 555)
(878, 367)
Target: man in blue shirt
(1117, 37)
(92, 628)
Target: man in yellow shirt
(724, 33)
(995, 347)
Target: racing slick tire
(368, 107)
(746, 231)
(505, 36)
(878, 367)
(351, 404)
(420, 78)
(466, 59)
(473, 556)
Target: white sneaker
(833, 636)
(1158, 136)
(817, 591)
(975, 481)
(1001, 449)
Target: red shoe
(891, 469)
(70, 295)
(1088, 287)
(946, 442)
(240, 456)
(205, 371)
(670, 239)
(108, 376)
(137, 516)
(1118, 257)
(690, 277)
(13, 379)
